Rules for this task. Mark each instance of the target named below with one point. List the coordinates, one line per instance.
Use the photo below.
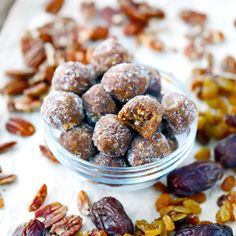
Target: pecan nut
(193, 17)
(54, 6)
(15, 87)
(68, 226)
(7, 179)
(47, 153)
(51, 213)
(39, 198)
(228, 64)
(20, 74)
(98, 33)
(7, 146)
(20, 127)
(83, 203)
(37, 90)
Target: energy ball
(154, 84)
(97, 103)
(103, 160)
(111, 137)
(179, 111)
(73, 77)
(108, 54)
(79, 141)
(62, 110)
(143, 113)
(125, 81)
(144, 151)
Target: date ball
(103, 160)
(79, 141)
(144, 151)
(73, 77)
(143, 113)
(111, 137)
(154, 84)
(108, 54)
(62, 110)
(179, 111)
(125, 81)
(97, 103)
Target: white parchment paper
(26, 161)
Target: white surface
(33, 170)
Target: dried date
(108, 214)
(194, 178)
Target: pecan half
(68, 226)
(15, 87)
(88, 9)
(99, 32)
(39, 198)
(51, 213)
(133, 27)
(83, 203)
(7, 179)
(193, 51)
(20, 74)
(54, 6)
(1, 201)
(20, 127)
(37, 90)
(193, 17)
(7, 146)
(228, 64)
(47, 153)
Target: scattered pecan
(157, 45)
(20, 127)
(230, 120)
(51, 213)
(88, 9)
(7, 146)
(1, 201)
(83, 203)
(7, 179)
(15, 87)
(133, 27)
(193, 51)
(37, 90)
(228, 64)
(193, 17)
(20, 74)
(39, 198)
(53, 6)
(68, 226)
(99, 32)
(47, 153)
(112, 16)
(214, 37)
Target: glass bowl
(129, 178)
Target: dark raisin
(225, 151)
(194, 178)
(32, 228)
(205, 230)
(230, 120)
(221, 199)
(108, 214)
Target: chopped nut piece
(88, 9)
(193, 17)
(193, 51)
(112, 16)
(39, 198)
(1, 201)
(99, 32)
(7, 179)
(54, 6)
(228, 64)
(7, 146)
(47, 153)
(133, 27)
(83, 203)
(228, 183)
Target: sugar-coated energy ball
(125, 81)
(144, 151)
(179, 110)
(73, 77)
(111, 137)
(79, 141)
(97, 103)
(62, 110)
(143, 113)
(108, 54)
(111, 161)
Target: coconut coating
(144, 151)
(62, 110)
(111, 137)
(97, 103)
(143, 113)
(154, 84)
(125, 81)
(73, 77)
(108, 54)
(179, 110)
(79, 141)
(103, 160)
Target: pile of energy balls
(112, 112)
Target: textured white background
(33, 170)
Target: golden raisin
(228, 183)
(159, 186)
(163, 200)
(203, 154)
(199, 197)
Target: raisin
(194, 178)
(205, 230)
(203, 154)
(228, 183)
(225, 151)
(108, 214)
